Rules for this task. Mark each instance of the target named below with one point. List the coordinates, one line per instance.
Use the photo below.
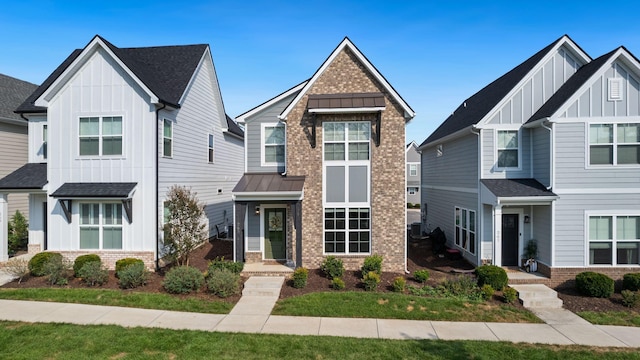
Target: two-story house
(413, 173)
(549, 151)
(110, 131)
(325, 169)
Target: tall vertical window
(45, 138)
(413, 169)
(100, 135)
(614, 240)
(614, 144)
(465, 229)
(167, 138)
(100, 226)
(507, 145)
(210, 149)
(273, 144)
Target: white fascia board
(241, 119)
(83, 57)
(409, 113)
(526, 200)
(268, 196)
(346, 110)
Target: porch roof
(31, 176)
(94, 190)
(517, 188)
(269, 185)
(317, 102)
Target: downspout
(551, 157)
(158, 128)
(480, 211)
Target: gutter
(157, 260)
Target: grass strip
(621, 318)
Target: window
(347, 236)
(211, 153)
(507, 148)
(439, 150)
(614, 144)
(273, 144)
(100, 226)
(465, 229)
(45, 137)
(614, 240)
(350, 138)
(101, 135)
(167, 138)
(413, 169)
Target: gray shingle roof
(29, 176)
(13, 92)
(516, 187)
(165, 70)
(475, 108)
(269, 182)
(94, 190)
(233, 127)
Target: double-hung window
(347, 214)
(614, 240)
(167, 138)
(211, 152)
(413, 169)
(273, 144)
(507, 145)
(100, 135)
(614, 144)
(100, 226)
(465, 233)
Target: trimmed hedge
(332, 267)
(372, 263)
(300, 276)
(83, 259)
(123, 263)
(631, 281)
(594, 284)
(36, 264)
(492, 275)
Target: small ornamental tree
(184, 228)
(18, 232)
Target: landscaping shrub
(492, 275)
(337, 283)
(371, 281)
(36, 263)
(332, 267)
(462, 286)
(594, 284)
(630, 298)
(133, 275)
(510, 294)
(399, 284)
(183, 280)
(487, 291)
(372, 263)
(300, 276)
(631, 281)
(18, 268)
(223, 282)
(93, 273)
(221, 263)
(57, 269)
(123, 263)
(421, 276)
(81, 260)
(17, 233)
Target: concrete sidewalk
(559, 334)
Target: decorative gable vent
(439, 150)
(615, 89)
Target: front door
(274, 233)
(510, 235)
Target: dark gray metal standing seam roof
(30, 176)
(94, 190)
(269, 182)
(347, 100)
(13, 92)
(516, 187)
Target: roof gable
(12, 93)
(346, 43)
(242, 118)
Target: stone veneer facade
(346, 74)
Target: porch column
(4, 222)
(296, 209)
(497, 235)
(240, 213)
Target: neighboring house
(110, 131)
(413, 173)
(549, 151)
(325, 170)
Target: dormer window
(507, 146)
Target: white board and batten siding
(201, 114)
(13, 154)
(101, 88)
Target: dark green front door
(274, 234)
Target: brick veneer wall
(562, 276)
(109, 258)
(388, 233)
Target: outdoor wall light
(526, 219)
(257, 209)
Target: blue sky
(435, 53)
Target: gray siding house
(549, 151)
(413, 173)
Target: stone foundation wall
(252, 257)
(33, 248)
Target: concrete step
(538, 296)
(263, 286)
(546, 303)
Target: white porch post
(497, 235)
(4, 225)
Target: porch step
(538, 296)
(263, 286)
(266, 269)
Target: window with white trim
(465, 229)
(100, 135)
(45, 137)
(100, 225)
(614, 144)
(347, 231)
(273, 144)
(413, 169)
(167, 138)
(614, 240)
(211, 152)
(507, 145)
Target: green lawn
(622, 318)
(398, 306)
(64, 341)
(119, 298)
